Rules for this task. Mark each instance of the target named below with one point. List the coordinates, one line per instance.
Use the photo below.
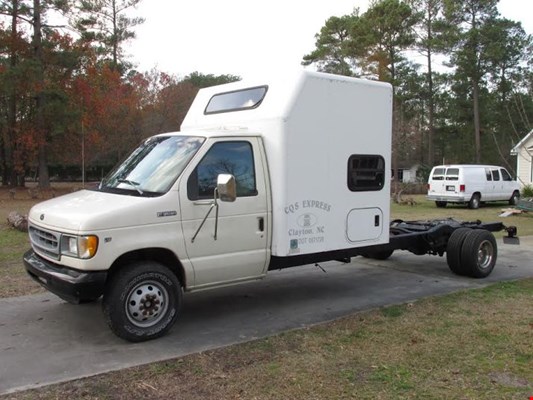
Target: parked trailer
(263, 175)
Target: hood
(85, 211)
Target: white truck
(263, 175)
(472, 185)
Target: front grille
(45, 242)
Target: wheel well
(478, 193)
(160, 255)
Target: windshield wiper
(133, 184)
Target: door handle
(261, 221)
(202, 202)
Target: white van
(471, 184)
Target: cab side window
(505, 175)
(495, 175)
(235, 158)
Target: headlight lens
(79, 246)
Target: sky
(244, 37)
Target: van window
(495, 175)
(438, 174)
(488, 174)
(452, 174)
(366, 172)
(505, 175)
(234, 158)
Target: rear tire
(454, 249)
(474, 202)
(441, 204)
(479, 253)
(142, 301)
(513, 201)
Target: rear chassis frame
(418, 237)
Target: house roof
(514, 150)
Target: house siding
(524, 163)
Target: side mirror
(226, 187)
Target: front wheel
(142, 301)
(513, 201)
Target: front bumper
(71, 285)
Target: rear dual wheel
(472, 252)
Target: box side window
(234, 158)
(366, 172)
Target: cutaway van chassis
(470, 247)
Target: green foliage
(475, 111)
(527, 191)
(200, 80)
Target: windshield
(153, 167)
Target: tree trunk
(44, 179)
(10, 176)
(477, 129)
(17, 221)
(431, 101)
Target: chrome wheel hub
(485, 254)
(146, 304)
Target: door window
(495, 175)
(488, 174)
(235, 158)
(505, 175)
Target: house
(524, 163)
(407, 172)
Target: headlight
(79, 246)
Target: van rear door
(451, 182)
(436, 182)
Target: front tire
(142, 301)
(513, 201)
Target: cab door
(239, 251)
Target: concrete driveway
(44, 340)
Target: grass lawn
(476, 344)
(489, 212)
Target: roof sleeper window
(237, 100)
